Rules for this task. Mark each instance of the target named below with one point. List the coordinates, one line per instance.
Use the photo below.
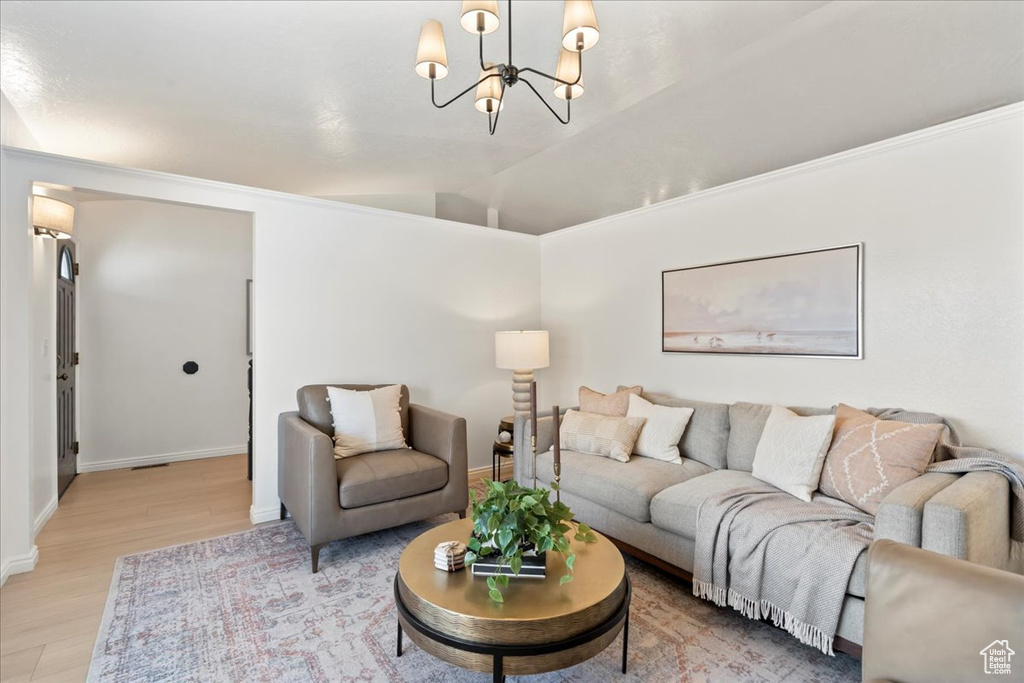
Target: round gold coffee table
(540, 627)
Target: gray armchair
(334, 499)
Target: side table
(502, 449)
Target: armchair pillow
(792, 450)
(661, 434)
(869, 458)
(615, 404)
(604, 435)
(366, 421)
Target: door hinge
(76, 268)
(77, 361)
(74, 448)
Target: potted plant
(512, 521)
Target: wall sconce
(52, 217)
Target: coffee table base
(516, 659)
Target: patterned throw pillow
(660, 437)
(604, 435)
(871, 457)
(607, 404)
(791, 451)
(366, 421)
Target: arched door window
(66, 265)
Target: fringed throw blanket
(770, 555)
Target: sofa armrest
(901, 513)
(926, 617)
(443, 436)
(970, 520)
(307, 480)
(439, 434)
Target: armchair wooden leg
(284, 511)
(315, 550)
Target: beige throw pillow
(604, 435)
(366, 421)
(663, 430)
(607, 404)
(871, 457)
(792, 451)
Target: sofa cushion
(388, 475)
(614, 405)
(675, 508)
(625, 487)
(746, 422)
(706, 438)
(315, 409)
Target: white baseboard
(19, 564)
(478, 473)
(44, 517)
(264, 515)
(124, 463)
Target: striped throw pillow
(604, 435)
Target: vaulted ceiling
(320, 98)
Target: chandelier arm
(568, 111)
(501, 99)
(442, 106)
(579, 72)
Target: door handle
(63, 378)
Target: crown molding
(932, 132)
(244, 191)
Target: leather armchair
(929, 618)
(335, 499)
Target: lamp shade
(431, 51)
(568, 70)
(488, 93)
(52, 217)
(480, 16)
(521, 350)
(578, 18)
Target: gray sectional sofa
(650, 507)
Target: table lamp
(521, 351)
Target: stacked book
(450, 556)
(534, 566)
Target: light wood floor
(49, 617)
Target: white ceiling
(320, 98)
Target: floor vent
(149, 467)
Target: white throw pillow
(366, 421)
(596, 434)
(792, 450)
(659, 439)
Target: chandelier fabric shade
(488, 93)
(477, 13)
(579, 19)
(52, 217)
(568, 70)
(431, 51)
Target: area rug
(246, 608)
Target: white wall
(161, 284)
(13, 131)
(341, 293)
(941, 215)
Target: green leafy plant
(511, 520)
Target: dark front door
(67, 358)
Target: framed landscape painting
(800, 304)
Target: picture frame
(804, 304)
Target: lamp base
(521, 381)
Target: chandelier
(579, 33)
